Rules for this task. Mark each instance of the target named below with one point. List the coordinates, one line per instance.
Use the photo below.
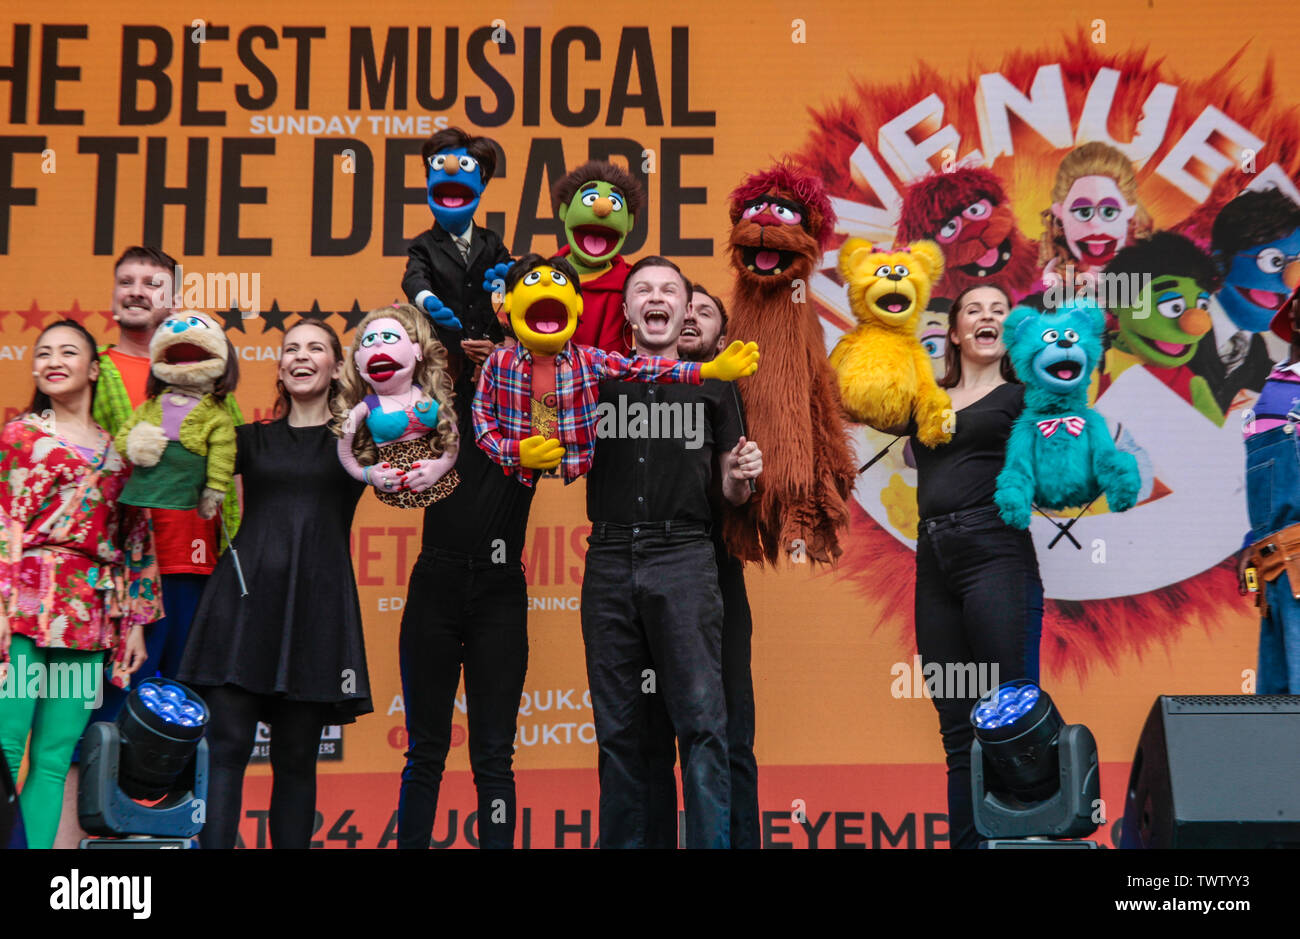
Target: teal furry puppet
(1060, 452)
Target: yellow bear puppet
(884, 373)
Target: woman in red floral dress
(77, 574)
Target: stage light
(153, 752)
(1032, 775)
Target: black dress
(297, 634)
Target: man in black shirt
(466, 602)
(651, 606)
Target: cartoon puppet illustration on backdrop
(885, 376)
(181, 439)
(447, 265)
(1094, 213)
(399, 433)
(1060, 453)
(598, 203)
(781, 221)
(968, 214)
(1255, 243)
(1161, 315)
(536, 405)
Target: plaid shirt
(503, 407)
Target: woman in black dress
(290, 653)
(979, 598)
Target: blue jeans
(1273, 501)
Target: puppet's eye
(1109, 213)
(390, 337)
(1083, 213)
(1051, 335)
(789, 216)
(468, 164)
(532, 277)
(753, 210)
(934, 346)
(979, 209)
(883, 270)
(590, 197)
(1203, 302)
(1171, 305)
(438, 161)
(1071, 335)
(197, 321)
(950, 229)
(369, 339)
(901, 271)
(616, 200)
(1270, 260)
(559, 278)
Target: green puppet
(598, 203)
(1169, 283)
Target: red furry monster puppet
(781, 220)
(968, 214)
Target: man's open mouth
(547, 316)
(894, 303)
(1265, 298)
(1064, 370)
(453, 195)
(990, 262)
(185, 352)
(690, 332)
(766, 262)
(656, 318)
(595, 241)
(382, 367)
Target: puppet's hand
(736, 361)
(385, 477)
(424, 473)
(209, 502)
(538, 453)
(145, 444)
(440, 313)
(494, 280)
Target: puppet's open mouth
(990, 262)
(182, 353)
(1264, 298)
(381, 367)
(766, 262)
(894, 302)
(1098, 249)
(453, 195)
(595, 241)
(1064, 370)
(547, 317)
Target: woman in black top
(979, 598)
(291, 652)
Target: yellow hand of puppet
(536, 452)
(738, 360)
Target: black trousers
(470, 611)
(295, 742)
(652, 624)
(979, 601)
(738, 684)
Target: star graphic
(109, 322)
(34, 317)
(76, 313)
(233, 319)
(352, 317)
(274, 318)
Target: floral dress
(77, 570)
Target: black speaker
(1216, 771)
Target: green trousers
(49, 694)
